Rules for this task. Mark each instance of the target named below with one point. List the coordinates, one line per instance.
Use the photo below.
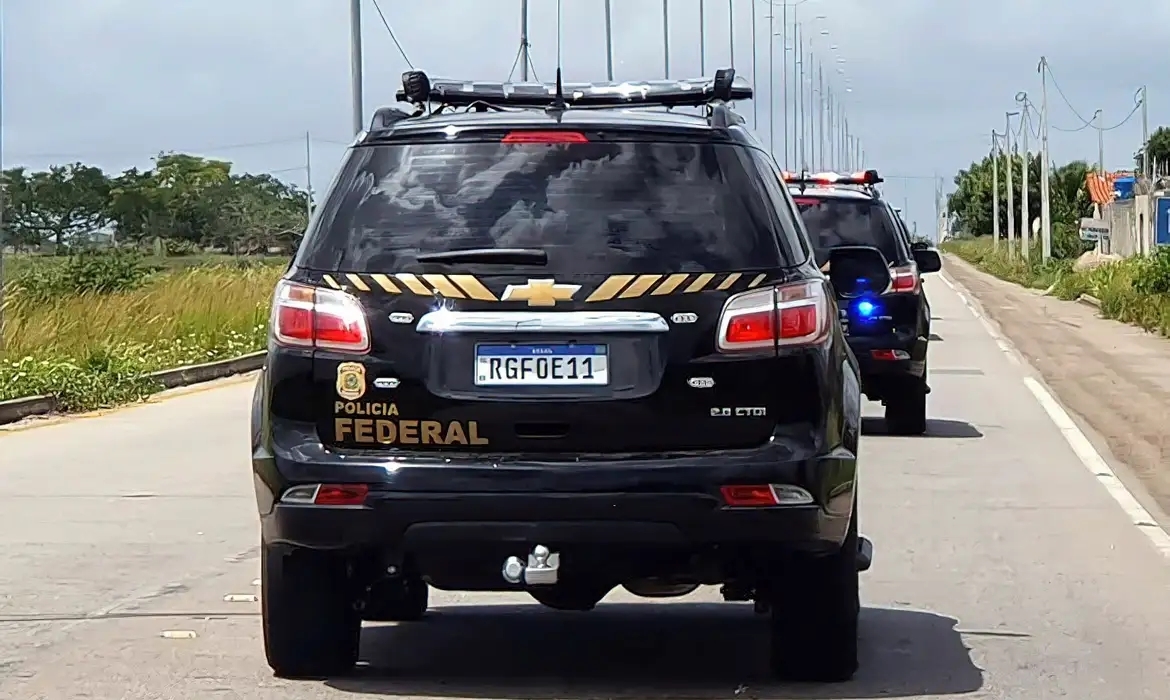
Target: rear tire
(814, 617)
(906, 408)
(312, 628)
(402, 599)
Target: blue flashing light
(865, 309)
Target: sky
(922, 82)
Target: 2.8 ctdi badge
(351, 381)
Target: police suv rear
(540, 338)
(889, 330)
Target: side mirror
(928, 260)
(858, 270)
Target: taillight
(788, 315)
(548, 137)
(312, 317)
(904, 278)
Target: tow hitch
(541, 569)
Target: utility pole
(355, 65)
(1146, 138)
(3, 242)
(1045, 195)
(821, 118)
(609, 40)
(1011, 194)
(783, 69)
(666, 39)
(994, 190)
(308, 178)
(1025, 213)
(524, 55)
(755, 74)
(772, 89)
(702, 38)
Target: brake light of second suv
(790, 315)
(312, 317)
(905, 279)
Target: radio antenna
(558, 104)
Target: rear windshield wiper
(491, 256)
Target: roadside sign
(1094, 229)
(1162, 220)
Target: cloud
(112, 82)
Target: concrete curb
(1088, 300)
(19, 409)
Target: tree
(63, 204)
(1158, 147)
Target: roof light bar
(864, 177)
(725, 86)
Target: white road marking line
(1075, 437)
(255, 582)
(240, 598)
(178, 634)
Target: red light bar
(865, 177)
(545, 137)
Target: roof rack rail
(419, 89)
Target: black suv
(538, 340)
(889, 330)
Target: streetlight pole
(702, 38)
(731, 29)
(355, 65)
(1045, 195)
(666, 39)
(524, 57)
(772, 88)
(1011, 196)
(994, 191)
(609, 40)
(755, 72)
(1025, 212)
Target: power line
(386, 24)
(1086, 124)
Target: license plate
(541, 365)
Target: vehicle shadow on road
(935, 428)
(648, 650)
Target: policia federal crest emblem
(351, 381)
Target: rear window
(602, 207)
(833, 222)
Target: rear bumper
(873, 366)
(670, 502)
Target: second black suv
(889, 330)
(533, 341)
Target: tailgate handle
(447, 321)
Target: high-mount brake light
(904, 279)
(790, 315)
(313, 317)
(545, 137)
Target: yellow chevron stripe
(357, 282)
(640, 286)
(473, 287)
(731, 279)
(330, 281)
(444, 286)
(756, 282)
(386, 283)
(669, 284)
(698, 285)
(413, 284)
(610, 287)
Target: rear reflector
(549, 137)
(311, 317)
(350, 495)
(890, 355)
(789, 315)
(749, 496)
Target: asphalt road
(1003, 569)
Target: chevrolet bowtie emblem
(540, 292)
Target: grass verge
(92, 349)
(1135, 290)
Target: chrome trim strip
(446, 321)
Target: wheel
(814, 617)
(311, 624)
(906, 408)
(401, 599)
(568, 597)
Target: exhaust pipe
(657, 588)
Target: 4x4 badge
(540, 292)
(351, 381)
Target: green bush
(91, 272)
(1152, 273)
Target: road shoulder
(1113, 377)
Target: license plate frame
(493, 362)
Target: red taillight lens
(341, 495)
(749, 496)
(904, 279)
(304, 316)
(788, 315)
(548, 137)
